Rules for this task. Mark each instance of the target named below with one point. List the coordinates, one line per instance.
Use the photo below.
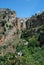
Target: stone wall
(21, 23)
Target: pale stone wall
(21, 21)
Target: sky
(23, 8)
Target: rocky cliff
(10, 24)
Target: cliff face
(7, 18)
(21, 23)
(10, 24)
(36, 20)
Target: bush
(32, 42)
(3, 23)
(4, 29)
(26, 33)
(6, 25)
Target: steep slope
(7, 18)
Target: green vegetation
(27, 50)
(29, 54)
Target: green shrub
(6, 25)
(3, 23)
(32, 42)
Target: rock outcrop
(10, 24)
